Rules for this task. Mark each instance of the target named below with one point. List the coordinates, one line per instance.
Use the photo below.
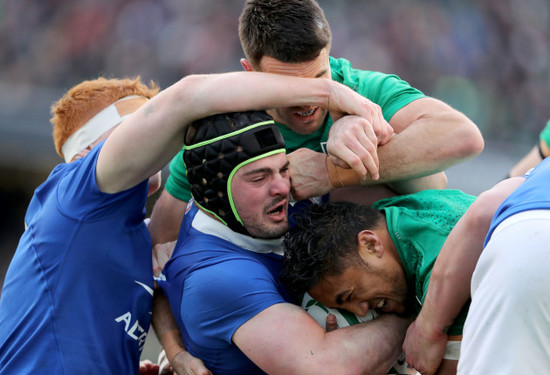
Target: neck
(387, 242)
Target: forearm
(449, 287)
(529, 161)
(287, 331)
(404, 158)
(417, 152)
(165, 326)
(342, 177)
(378, 343)
(345, 177)
(430, 137)
(145, 142)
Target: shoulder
(244, 272)
(343, 71)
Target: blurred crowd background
(487, 58)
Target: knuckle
(355, 161)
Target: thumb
(331, 324)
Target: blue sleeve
(218, 299)
(80, 197)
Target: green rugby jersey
(387, 90)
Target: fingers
(361, 155)
(156, 267)
(384, 131)
(331, 323)
(352, 143)
(161, 255)
(147, 367)
(308, 174)
(356, 145)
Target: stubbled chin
(300, 126)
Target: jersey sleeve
(217, 300)
(389, 91)
(78, 195)
(177, 183)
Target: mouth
(382, 305)
(278, 212)
(306, 113)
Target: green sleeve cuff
(177, 183)
(545, 134)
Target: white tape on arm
(452, 350)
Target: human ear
(370, 244)
(247, 65)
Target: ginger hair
(87, 99)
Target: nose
(281, 184)
(361, 308)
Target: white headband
(93, 129)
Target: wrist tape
(340, 177)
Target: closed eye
(344, 297)
(257, 179)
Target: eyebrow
(256, 171)
(265, 170)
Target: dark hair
(290, 31)
(323, 242)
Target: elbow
(463, 138)
(476, 144)
(472, 140)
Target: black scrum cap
(216, 147)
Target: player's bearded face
(261, 194)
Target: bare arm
(449, 286)
(430, 137)
(313, 174)
(530, 160)
(169, 336)
(147, 140)
(284, 339)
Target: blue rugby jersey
(532, 194)
(78, 293)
